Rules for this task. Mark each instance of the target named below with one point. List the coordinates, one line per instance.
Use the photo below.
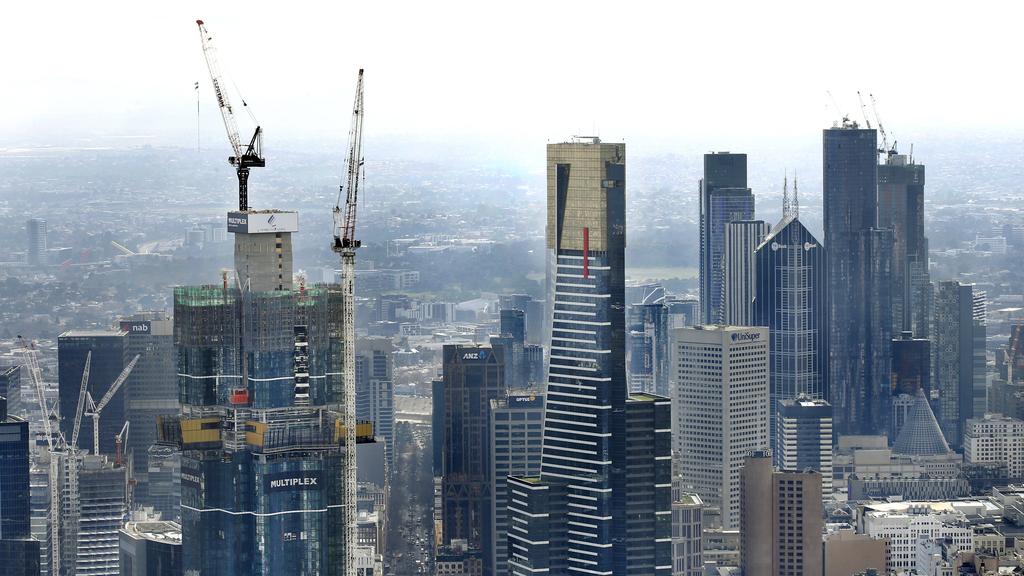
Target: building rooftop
(92, 333)
(690, 499)
(165, 532)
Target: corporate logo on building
(475, 355)
(140, 327)
(294, 481)
(745, 336)
(191, 476)
(289, 482)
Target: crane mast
(244, 158)
(345, 244)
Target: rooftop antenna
(796, 199)
(785, 194)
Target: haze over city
(536, 289)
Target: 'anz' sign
(475, 355)
(745, 336)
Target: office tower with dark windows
(647, 347)
(577, 517)
(911, 371)
(515, 434)
(724, 198)
(791, 299)
(151, 548)
(19, 553)
(437, 425)
(375, 390)
(803, 439)
(35, 229)
(722, 403)
(258, 361)
(473, 376)
(959, 356)
(10, 388)
(780, 533)
(859, 281)
(901, 208)
(739, 270)
(512, 337)
(150, 391)
(108, 359)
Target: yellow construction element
(254, 432)
(364, 432)
(200, 431)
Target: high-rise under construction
(258, 363)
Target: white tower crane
(345, 243)
(93, 409)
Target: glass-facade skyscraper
(595, 507)
(724, 198)
(959, 356)
(258, 364)
(901, 207)
(108, 348)
(859, 281)
(791, 299)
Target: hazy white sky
(655, 72)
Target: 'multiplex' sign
(294, 480)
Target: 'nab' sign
(140, 327)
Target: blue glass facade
(262, 453)
(724, 198)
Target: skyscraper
(739, 270)
(473, 376)
(687, 534)
(724, 198)
(108, 348)
(859, 281)
(901, 208)
(512, 337)
(791, 299)
(911, 371)
(959, 356)
(722, 403)
(804, 437)
(574, 517)
(781, 521)
(19, 553)
(647, 352)
(37, 242)
(375, 390)
(258, 366)
(10, 388)
(151, 389)
(150, 549)
(515, 434)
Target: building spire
(795, 207)
(785, 194)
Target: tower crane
(345, 244)
(885, 137)
(252, 155)
(864, 110)
(83, 392)
(93, 409)
(62, 458)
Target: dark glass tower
(258, 364)
(473, 376)
(576, 517)
(901, 207)
(724, 198)
(959, 356)
(859, 282)
(109, 352)
(14, 484)
(791, 299)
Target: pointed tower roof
(920, 434)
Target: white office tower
(722, 393)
